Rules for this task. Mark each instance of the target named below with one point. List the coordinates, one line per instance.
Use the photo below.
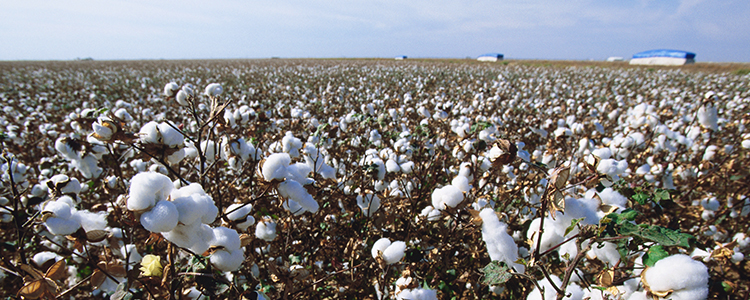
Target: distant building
(490, 57)
(615, 58)
(663, 57)
(401, 57)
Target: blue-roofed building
(663, 57)
(490, 57)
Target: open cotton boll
(162, 217)
(194, 237)
(710, 152)
(147, 188)
(170, 89)
(550, 238)
(293, 190)
(369, 203)
(500, 245)
(607, 253)
(687, 278)
(227, 260)
(225, 237)
(447, 196)
(275, 166)
(266, 229)
(430, 213)
(708, 117)
(299, 172)
(44, 257)
(196, 207)
(462, 183)
(575, 292)
(91, 220)
(62, 221)
(390, 252)
(417, 294)
(213, 90)
(612, 197)
(291, 144)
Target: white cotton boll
(171, 89)
(91, 220)
(607, 253)
(61, 222)
(42, 257)
(417, 294)
(576, 208)
(291, 144)
(293, 190)
(710, 153)
(275, 166)
(612, 168)
(59, 209)
(746, 144)
(447, 196)
(550, 238)
(710, 204)
(176, 157)
(612, 197)
(227, 260)
(194, 237)
(147, 188)
(392, 166)
(149, 133)
(430, 213)
(182, 96)
(573, 290)
(238, 211)
(195, 207)
(500, 245)
(162, 217)
(132, 252)
(643, 170)
(379, 246)
(213, 90)
(602, 153)
(225, 237)
(266, 229)
(87, 166)
(170, 136)
(369, 203)
(299, 172)
(462, 183)
(681, 274)
(407, 167)
(708, 117)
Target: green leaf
(654, 254)
(641, 198)
(573, 224)
(496, 273)
(661, 235)
(627, 215)
(661, 194)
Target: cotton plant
(368, 202)
(407, 288)
(236, 152)
(239, 215)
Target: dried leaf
(606, 277)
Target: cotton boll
(550, 293)
(58, 226)
(227, 260)
(294, 191)
(462, 183)
(275, 166)
(710, 152)
(550, 238)
(430, 213)
(266, 229)
(417, 294)
(500, 245)
(239, 211)
(291, 144)
(299, 172)
(91, 220)
(162, 217)
(612, 197)
(146, 189)
(708, 117)
(369, 203)
(680, 273)
(194, 237)
(606, 252)
(225, 237)
(390, 252)
(171, 89)
(213, 90)
(392, 166)
(447, 196)
(379, 246)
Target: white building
(490, 57)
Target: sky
(717, 31)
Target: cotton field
(373, 179)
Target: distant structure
(401, 57)
(490, 57)
(615, 58)
(663, 57)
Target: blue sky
(542, 29)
